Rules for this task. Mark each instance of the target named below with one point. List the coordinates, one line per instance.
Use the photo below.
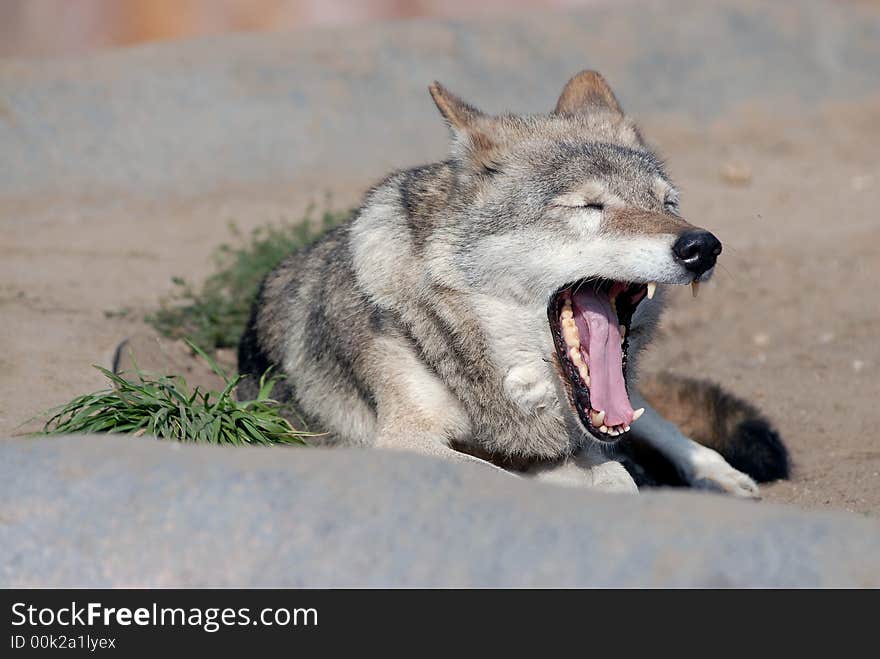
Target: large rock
(112, 511)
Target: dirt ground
(791, 320)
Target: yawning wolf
(491, 307)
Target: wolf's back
(305, 324)
(714, 418)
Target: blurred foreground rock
(113, 511)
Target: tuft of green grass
(165, 407)
(215, 314)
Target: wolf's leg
(699, 466)
(415, 411)
(428, 443)
(588, 468)
(713, 417)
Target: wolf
(490, 308)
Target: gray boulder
(114, 511)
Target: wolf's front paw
(711, 472)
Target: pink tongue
(597, 324)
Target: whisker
(726, 271)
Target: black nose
(697, 251)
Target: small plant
(164, 406)
(214, 315)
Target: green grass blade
(162, 406)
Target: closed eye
(594, 206)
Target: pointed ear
(587, 91)
(474, 139)
(458, 114)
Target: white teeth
(567, 313)
(569, 329)
(652, 287)
(695, 288)
(585, 373)
(622, 331)
(597, 418)
(637, 414)
(614, 431)
(574, 353)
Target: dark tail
(714, 418)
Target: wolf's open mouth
(590, 321)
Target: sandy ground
(791, 320)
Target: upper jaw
(650, 286)
(674, 276)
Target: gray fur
(422, 323)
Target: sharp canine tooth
(622, 331)
(597, 418)
(637, 414)
(626, 429)
(652, 286)
(695, 287)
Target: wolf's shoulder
(410, 200)
(419, 181)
